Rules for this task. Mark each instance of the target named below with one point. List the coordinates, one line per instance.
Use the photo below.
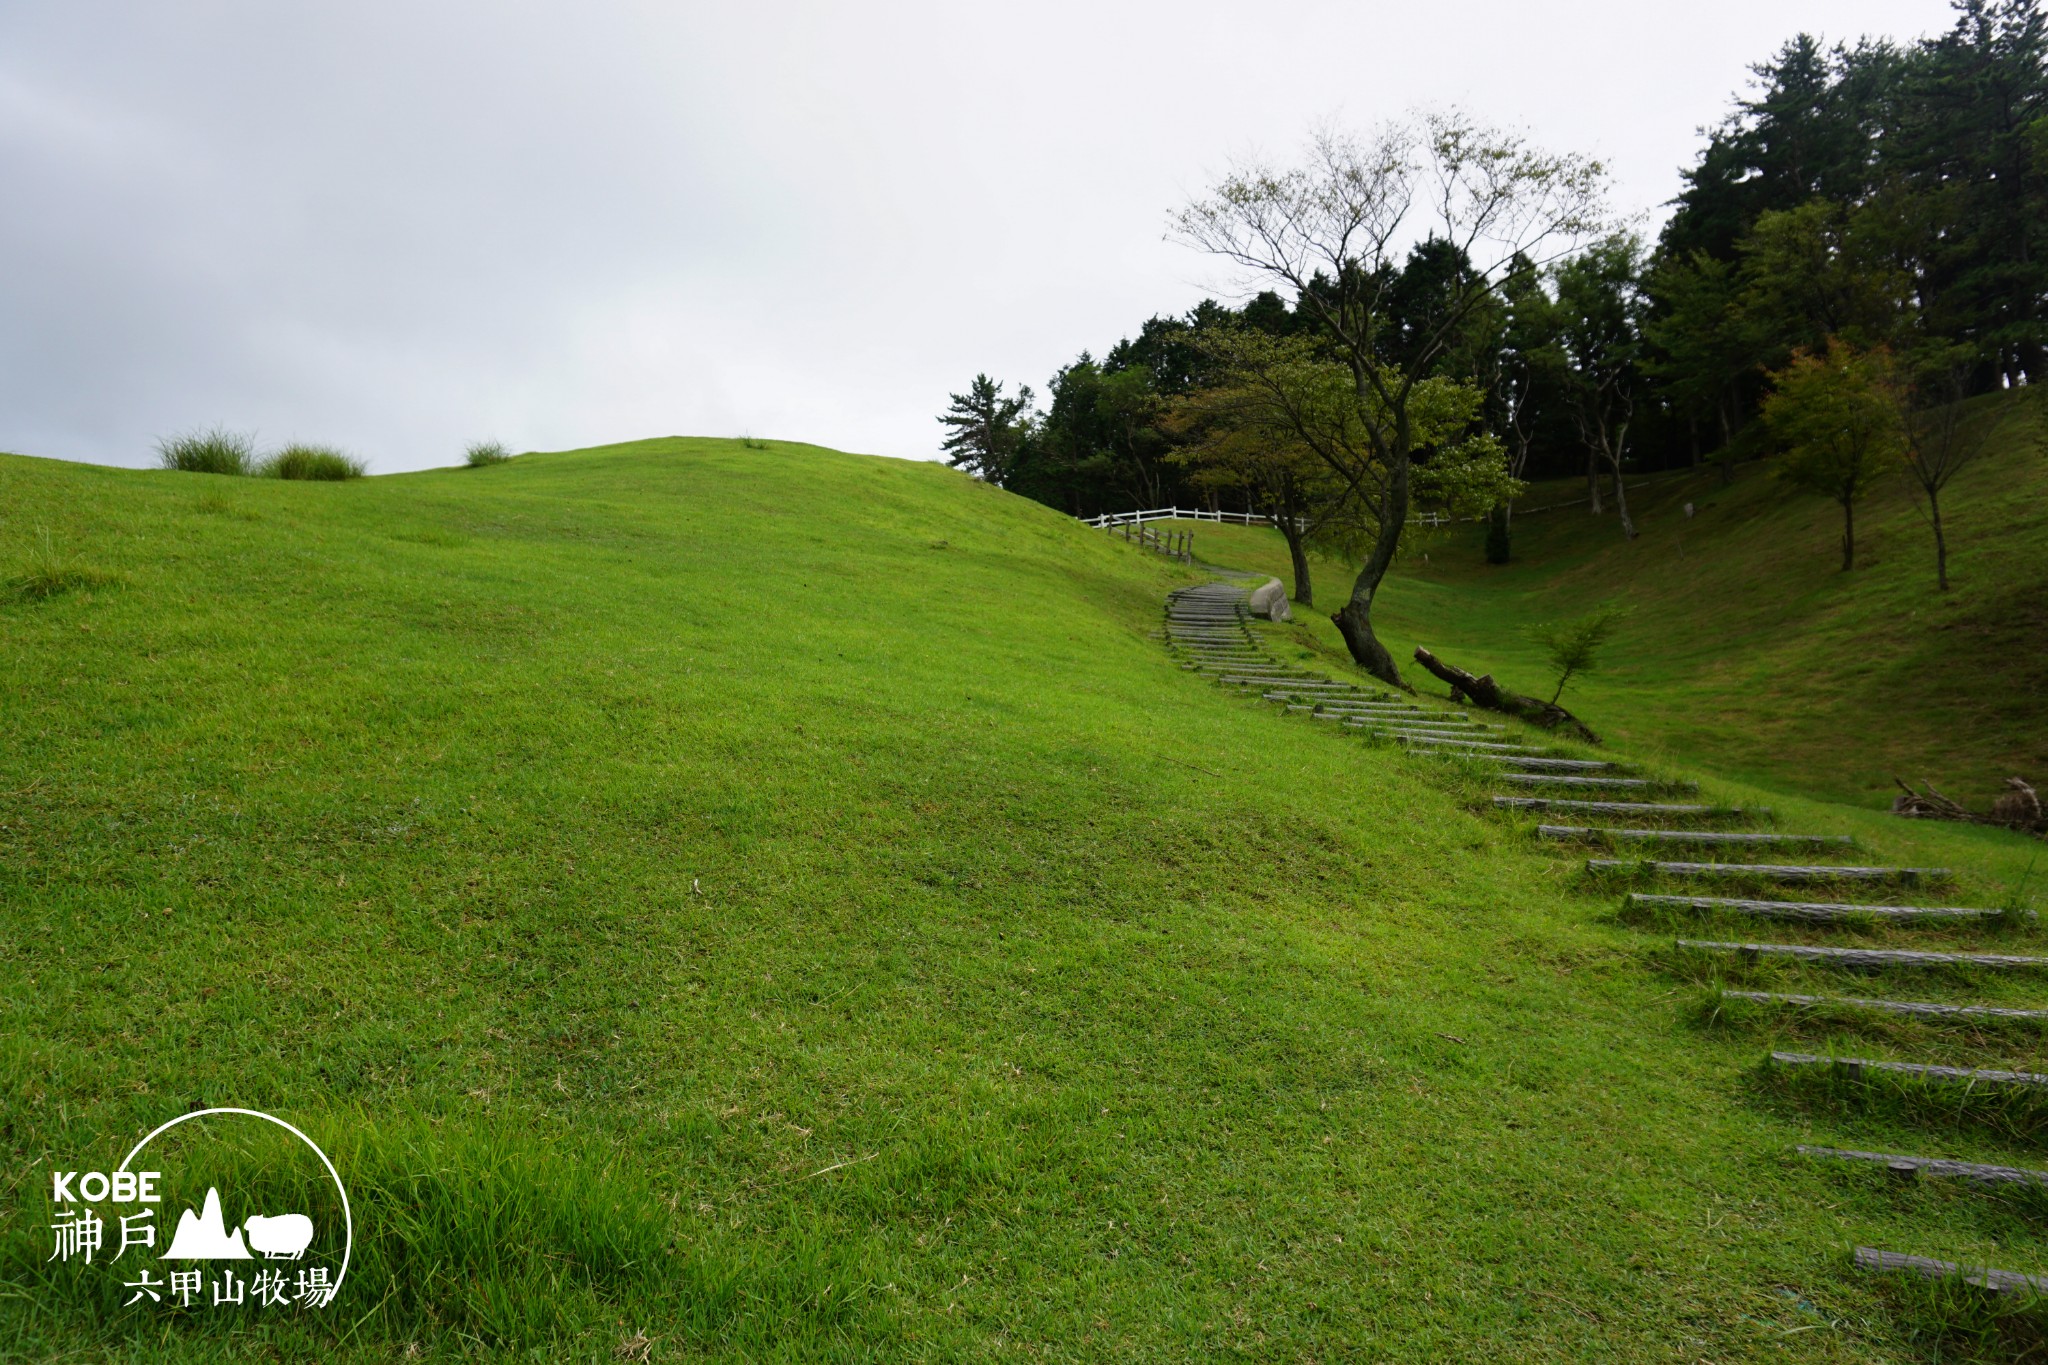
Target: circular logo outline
(348, 1219)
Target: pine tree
(987, 428)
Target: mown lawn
(838, 932)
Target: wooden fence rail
(1176, 545)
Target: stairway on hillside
(1699, 861)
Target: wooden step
(1778, 872)
(1337, 706)
(1691, 836)
(1560, 803)
(1637, 784)
(1984, 1277)
(1910, 1166)
(1565, 765)
(1865, 957)
(1478, 746)
(1923, 1008)
(1813, 912)
(1857, 1066)
(1381, 708)
(1421, 729)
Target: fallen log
(2017, 807)
(1484, 691)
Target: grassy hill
(778, 904)
(1746, 648)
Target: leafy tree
(1331, 230)
(1807, 274)
(1307, 413)
(1237, 434)
(1702, 348)
(1511, 351)
(1966, 144)
(1835, 417)
(987, 428)
(1101, 431)
(1600, 298)
(1807, 132)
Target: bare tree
(1941, 437)
(1333, 229)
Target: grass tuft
(481, 453)
(318, 463)
(216, 503)
(46, 573)
(213, 451)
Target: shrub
(481, 453)
(215, 451)
(314, 462)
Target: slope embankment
(786, 905)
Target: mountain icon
(203, 1237)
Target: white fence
(1108, 519)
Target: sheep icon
(283, 1238)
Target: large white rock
(1270, 601)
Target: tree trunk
(1593, 479)
(1848, 535)
(1354, 619)
(1499, 535)
(1940, 542)
(1304, 591)
(1628, 528)
(1354, 622)
(1727, 442)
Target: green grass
(802, 873)
(320, 464)
(481, 453)
(1745, 649)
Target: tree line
(1448, 312)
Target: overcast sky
(402, 227)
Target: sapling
(1573, 647)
